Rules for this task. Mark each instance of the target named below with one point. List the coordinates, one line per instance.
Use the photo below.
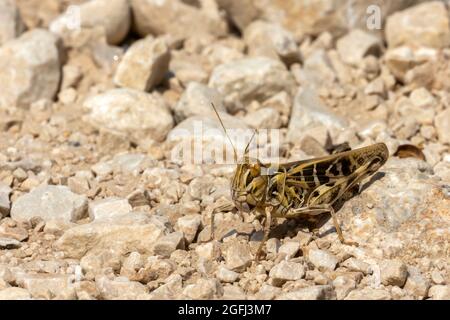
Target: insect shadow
(290, 227)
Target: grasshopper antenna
(226, 133)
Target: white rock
(357, 44)
(9, 243)
(144, 64)
(354, 264)
(49, 286)
(437, 277)
(226, 275)
(203, 289)
(50, 203)
(343, 285)
(5, 203)
(393, 272)
(108, 207)
(323, 260)
(238, 257)
(157, 17)
(208, 133)
(268, 292)
(417, 284)
(113, 16)
(14, 293)
(286, 271)
(425, 24)
(265, 118)
(196, 101)
(233, 292)
(133, 232)
(442, 123)
(169, 290)
(271, 40)
(309, 112)
(130, 113)
(403, 61)
(208, 251)
(368, 293)
(29, 68)
(189, 225)
(439, 292)
(11, 25)
(289, 248)
(322, 292)
(241, 13)
(120, 288)
(248, 79)
(96, 260)
(168, 244)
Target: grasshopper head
(248, 185)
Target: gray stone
(50, 203)
(439, 292)
(144, 65)
(108, 207)
(196, 100)
(368, 293)
(393, 272)
(286, 271)
(169, 243)
(442, 123)
(417, 284)
(309, 112)
(203, 289)
(226, 275)
(120, 288)
(264, 118)
(49, 286)
(5, 203)
(289, 248)
(425, 24)
(29, 68)
(113, 16)
(238, 256)
(248, 79)
(323, 260)
(130, 113)
(14, 293)
(189, 225)
(321, 292)
(357, 44)
(343, 285)
(158, 18)
(9, 243)
(241, 13)
(11, 25)
(354, 264)
(271, 40)
(132, 232)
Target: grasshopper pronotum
(301, 189)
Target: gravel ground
(94, 96)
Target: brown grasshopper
(301, 189)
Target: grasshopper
(305, 189)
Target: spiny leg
(319, 209)
(267, 225)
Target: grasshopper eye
(255, 169)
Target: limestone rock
(11, 25)
(30, 68)
(357, 44)
(144, 65)
(50, 203)
(425, 24)
(131, 113)
(248, 79)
